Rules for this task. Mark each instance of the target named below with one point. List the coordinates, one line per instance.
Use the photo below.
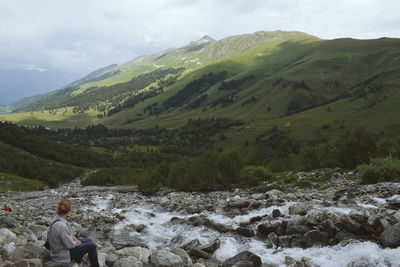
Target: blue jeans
(87, 246)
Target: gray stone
(6, 236)
(139, 253)
(297, 229)
(111, 258)
(30, 251)
(29, 263)
(391, 236)
(243, 256)
(128, 262)
(276, 213)
(316, 238)
(122, 238)
(211, 247)
(9, 222)
(198, 253)
(187, 261)
(163, 258)
(244, 264)
(244, 231)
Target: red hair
(64, 207)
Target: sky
(79, 36)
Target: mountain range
(291, 80)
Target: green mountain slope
(291, 80)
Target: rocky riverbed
(345, 224)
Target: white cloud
(80, 36)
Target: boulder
(244, 231)
(245, 256)
(9, 222)
(187, 261)
(244, 264)
(29, 263)
(122, 238)
(139, 253)
(111, 258)
(163, 258)
(316, 238)
(198, 253)
(297, 210)
(391, 236)
(6, 236)
(211, 247)
(276, 213)
(297, 229)
(128, 262)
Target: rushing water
(161, 233)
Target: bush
(254, 176)
(380, 170)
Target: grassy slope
(317, 62)
(9, 182)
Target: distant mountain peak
(203, 40)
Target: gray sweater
(60, 240)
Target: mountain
(289, 80)
(4, 109)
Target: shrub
(380, 170)
(254, 176)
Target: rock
(122, 238)
(7, 249)
(139, 253)
(265, 228)
(315, 217)
(163, 258)
(198, 253)
(349, 225)
(289, 260)
(297, 210)
(111, 258)
(391, 236)
(128, 262)
(6, 236)
(244, 231)
(297, 229)
(276, 213)
(284, 241)
(198, 265)
(211, 247)
(273, 238)
(244, 264)
(187, 261)
(30, 251)
(9, 222)
(255, 204)
(273, 194)
(246, 256)
(316, 238)
(192, 244)
(29, 263)
(396, 215)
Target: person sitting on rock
(64, 246)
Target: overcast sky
(82, 35)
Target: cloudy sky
(79, 36)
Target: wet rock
(192, 244)
(316, 238)
(284, 241)
(187, 261)
(349, 225)
(273, 238)
(391, 236)
(314, 217)
(163, 258)
(198, 253)
(244, 231)
(244, 264)
(255, 204)
(276, 213)
(246, 256)
(122, 238)
(297, 229)
(297, 210)
(128, 262)
(211, 247)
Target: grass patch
(9, 182)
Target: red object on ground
(7, 208)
